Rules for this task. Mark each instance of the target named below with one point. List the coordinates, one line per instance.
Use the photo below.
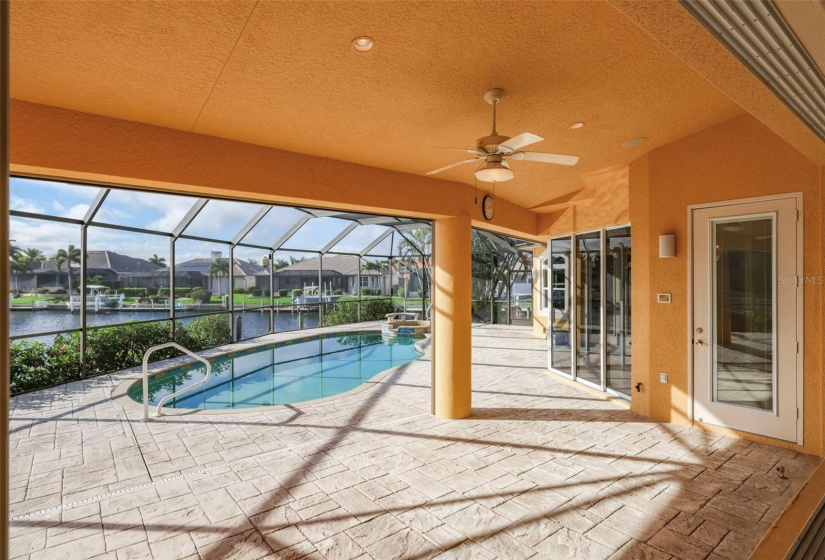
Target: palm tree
(293, 260)
(278, 264)
(69, 256)
(14, 250)
(155, 259)
(219, 268)
(17, 267)
(252, 261)
(415, 252)
(34, 255)
(371, 265)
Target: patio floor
(542, 469)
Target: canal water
(254, 323)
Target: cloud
(22, 205)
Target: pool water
(282, 373)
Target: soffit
(282, 74)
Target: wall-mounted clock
(488, 207)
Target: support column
(452, 318)
(4, 279)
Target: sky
(220, 219)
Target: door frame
(800, 307)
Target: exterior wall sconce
(667, 246)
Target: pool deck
(542, 469)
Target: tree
(17, 267)
(69, 256)
(278, 264)
(14, 250)
(252, 261)
(370, 265)
(218, 269)
(293, 260)
(155, 259)
(34, 255)
(415, 252)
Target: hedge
(133, 292)
(35, 365)
(179, 292)
(345, 311)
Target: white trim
(800, 308)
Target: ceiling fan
(493, 150)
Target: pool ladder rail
(149, 352)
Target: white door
(745, 313)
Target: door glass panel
(617, 309)
(588, 307)
(561, 304)
(521, 298)
(743, 304)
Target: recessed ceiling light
(632, 143)
(362, 44)
(576, 125)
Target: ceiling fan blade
(446, 167)
(545, 158)
(523, 139)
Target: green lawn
(28, 300)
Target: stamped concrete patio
(542, 469)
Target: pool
(282, 373)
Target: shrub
(204, 332)
(297, 292)
(376, 309)
(283, 292)
(255, 292)
(401, 292)
(152, 291)
(203, 296)
(35, 364)
(338, 292)
(59, 291)
(114, 348)
(239, 291)
(345, 310)
(133, 292)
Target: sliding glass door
(561, 305)
(617, 309)
(589, 313)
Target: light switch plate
(663, 377)
(663, 297)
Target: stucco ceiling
(283, 74)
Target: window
(544, 284)
(365, 281)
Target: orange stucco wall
(601, 201)
(55, 142)
(737, 159)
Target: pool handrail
(149, 352)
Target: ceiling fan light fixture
(494, 172)
(576, 125)
(362, 44)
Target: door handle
(700, 343)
